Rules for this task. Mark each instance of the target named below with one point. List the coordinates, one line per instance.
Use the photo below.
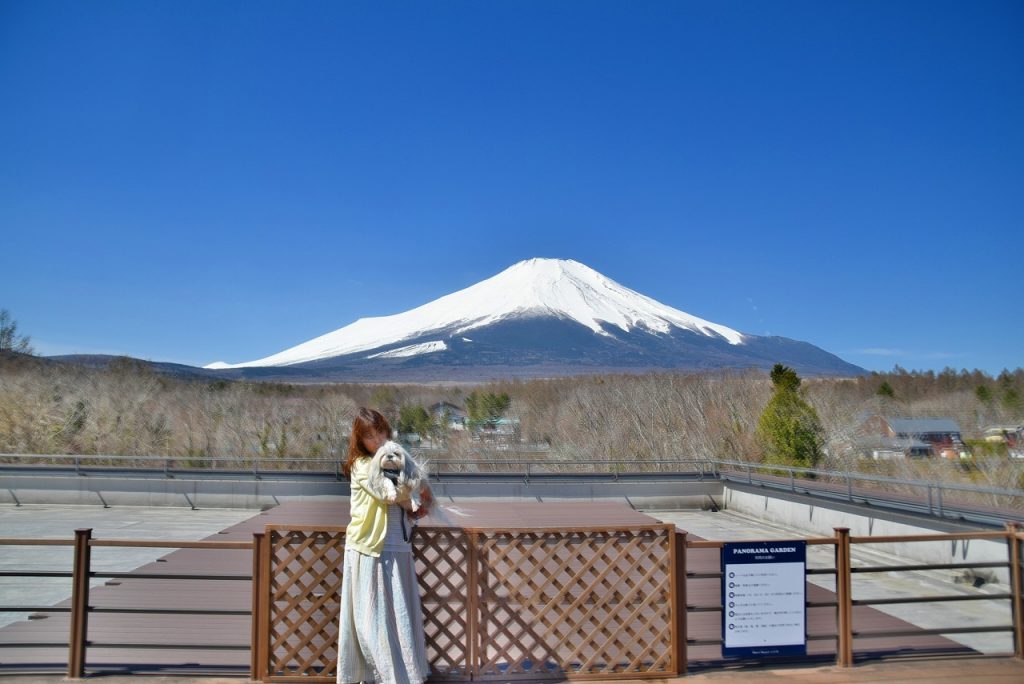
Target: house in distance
(885, 437)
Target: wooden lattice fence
(497, 603)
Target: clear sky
(201, 181)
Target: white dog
(395, 473)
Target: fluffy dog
(394, 473)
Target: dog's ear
(414, 469)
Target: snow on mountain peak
(573, 290)
(559, 287)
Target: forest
(128, 409)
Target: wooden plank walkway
(154, 636)
(981, 670)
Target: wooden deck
(154, 636)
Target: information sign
(764, 609)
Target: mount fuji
(538, 318)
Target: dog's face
(392, 462)
(392, 459)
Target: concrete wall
(235, 493)
(192, 493)
(818, 521)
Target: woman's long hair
(367, 422)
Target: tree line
(126, 408)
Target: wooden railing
(846, 631)
(78, 639)
(509, 603)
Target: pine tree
(415, 419)
(789, 428)
(487, 407)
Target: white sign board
(764, 609)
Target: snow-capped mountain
(538, 317)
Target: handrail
(159, 544)
(712, 467)
(715, 544)
(839, 474)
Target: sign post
(764, 607)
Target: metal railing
(898, 494)
(935, 499)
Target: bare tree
(10, 340)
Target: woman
(381, 632)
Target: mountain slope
(547, 287)
(539, 317)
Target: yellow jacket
(365, 532)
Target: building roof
(892, 443)
(922, 426)
(442, 405)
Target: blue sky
(200, 181)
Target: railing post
(844, 599)
(79, 605)
(263, 627)
(255, 651)
(679, 592)
(1016, 589)
(473, 604)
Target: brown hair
(367, 422)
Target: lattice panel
(305, 588)
(590, 603)
(496, 604)
(442, 563)
(305, 585)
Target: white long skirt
(381, 631)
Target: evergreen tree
(487, 407)
(789, 428)
(1011, 401)
(886, 390)
(415, 419)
